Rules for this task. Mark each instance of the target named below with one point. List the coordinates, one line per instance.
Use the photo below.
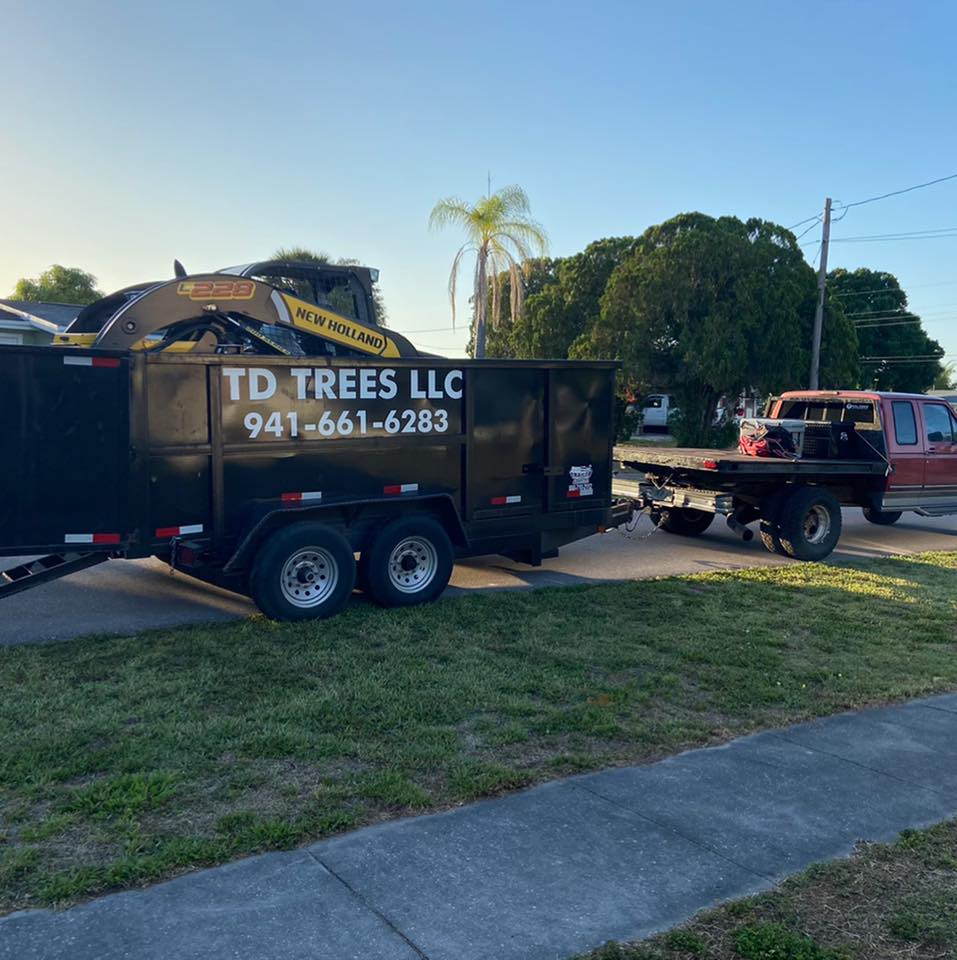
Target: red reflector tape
(164, 532)
(91, 538)
(395, 488)
(501, 501)
(298, 495)
(91, 361)
(710, 464)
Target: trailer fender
(345, 514)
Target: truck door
(940, 450)
(905, 449)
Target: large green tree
(705, 307)
(58, 285)
(563, 300)
(886, 328)
(501, 234)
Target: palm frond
(451, 210)
(454, 274)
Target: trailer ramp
(40, 570)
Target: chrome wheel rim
(817, 524)
(309, 577)
(412, 564)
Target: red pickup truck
(885, 452)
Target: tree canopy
(59, 284)
(563, 299)
(876, 304)
(706, 307)
(500, 232)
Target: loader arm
(165, 305)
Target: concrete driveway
(128, 596)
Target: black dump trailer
(270, 475)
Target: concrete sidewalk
(547, 872)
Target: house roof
(49, 317)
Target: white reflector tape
(164, 532)
(78, 538)
(298, 495)
(394, 488)
(78, 361)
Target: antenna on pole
(488, 193)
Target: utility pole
(819, 312)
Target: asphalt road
(127, 596)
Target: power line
(895, 193)
(817, 220)
(918, 286)
(929, 236)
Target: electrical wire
(896, 193)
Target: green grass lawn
(887, 902)
(129, 759)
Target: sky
(133, 133)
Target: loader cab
(345, 289)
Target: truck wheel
(306, 571)
(810, 523)
(685, 521)
(408, 562)
(883, 518)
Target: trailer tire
(305, 571)
(810, 524)
(685, 521)
(408, 562)
(883, 518)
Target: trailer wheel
(306, 571)
(883, 518)
(685, 521)
(408, 562)
(810, 523)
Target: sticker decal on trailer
(581, 485)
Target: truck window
(905, 424)
(652, 403)
(937, 419)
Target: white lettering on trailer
(233, 375)
(262, 383)
(318, 393)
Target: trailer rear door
(64, 437)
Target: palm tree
(502, 235)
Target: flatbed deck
(731, 464)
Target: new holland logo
(342, 329)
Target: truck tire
(685, 521)
(408, 562)
(810, 524)
(305, 571)
(883, 518)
